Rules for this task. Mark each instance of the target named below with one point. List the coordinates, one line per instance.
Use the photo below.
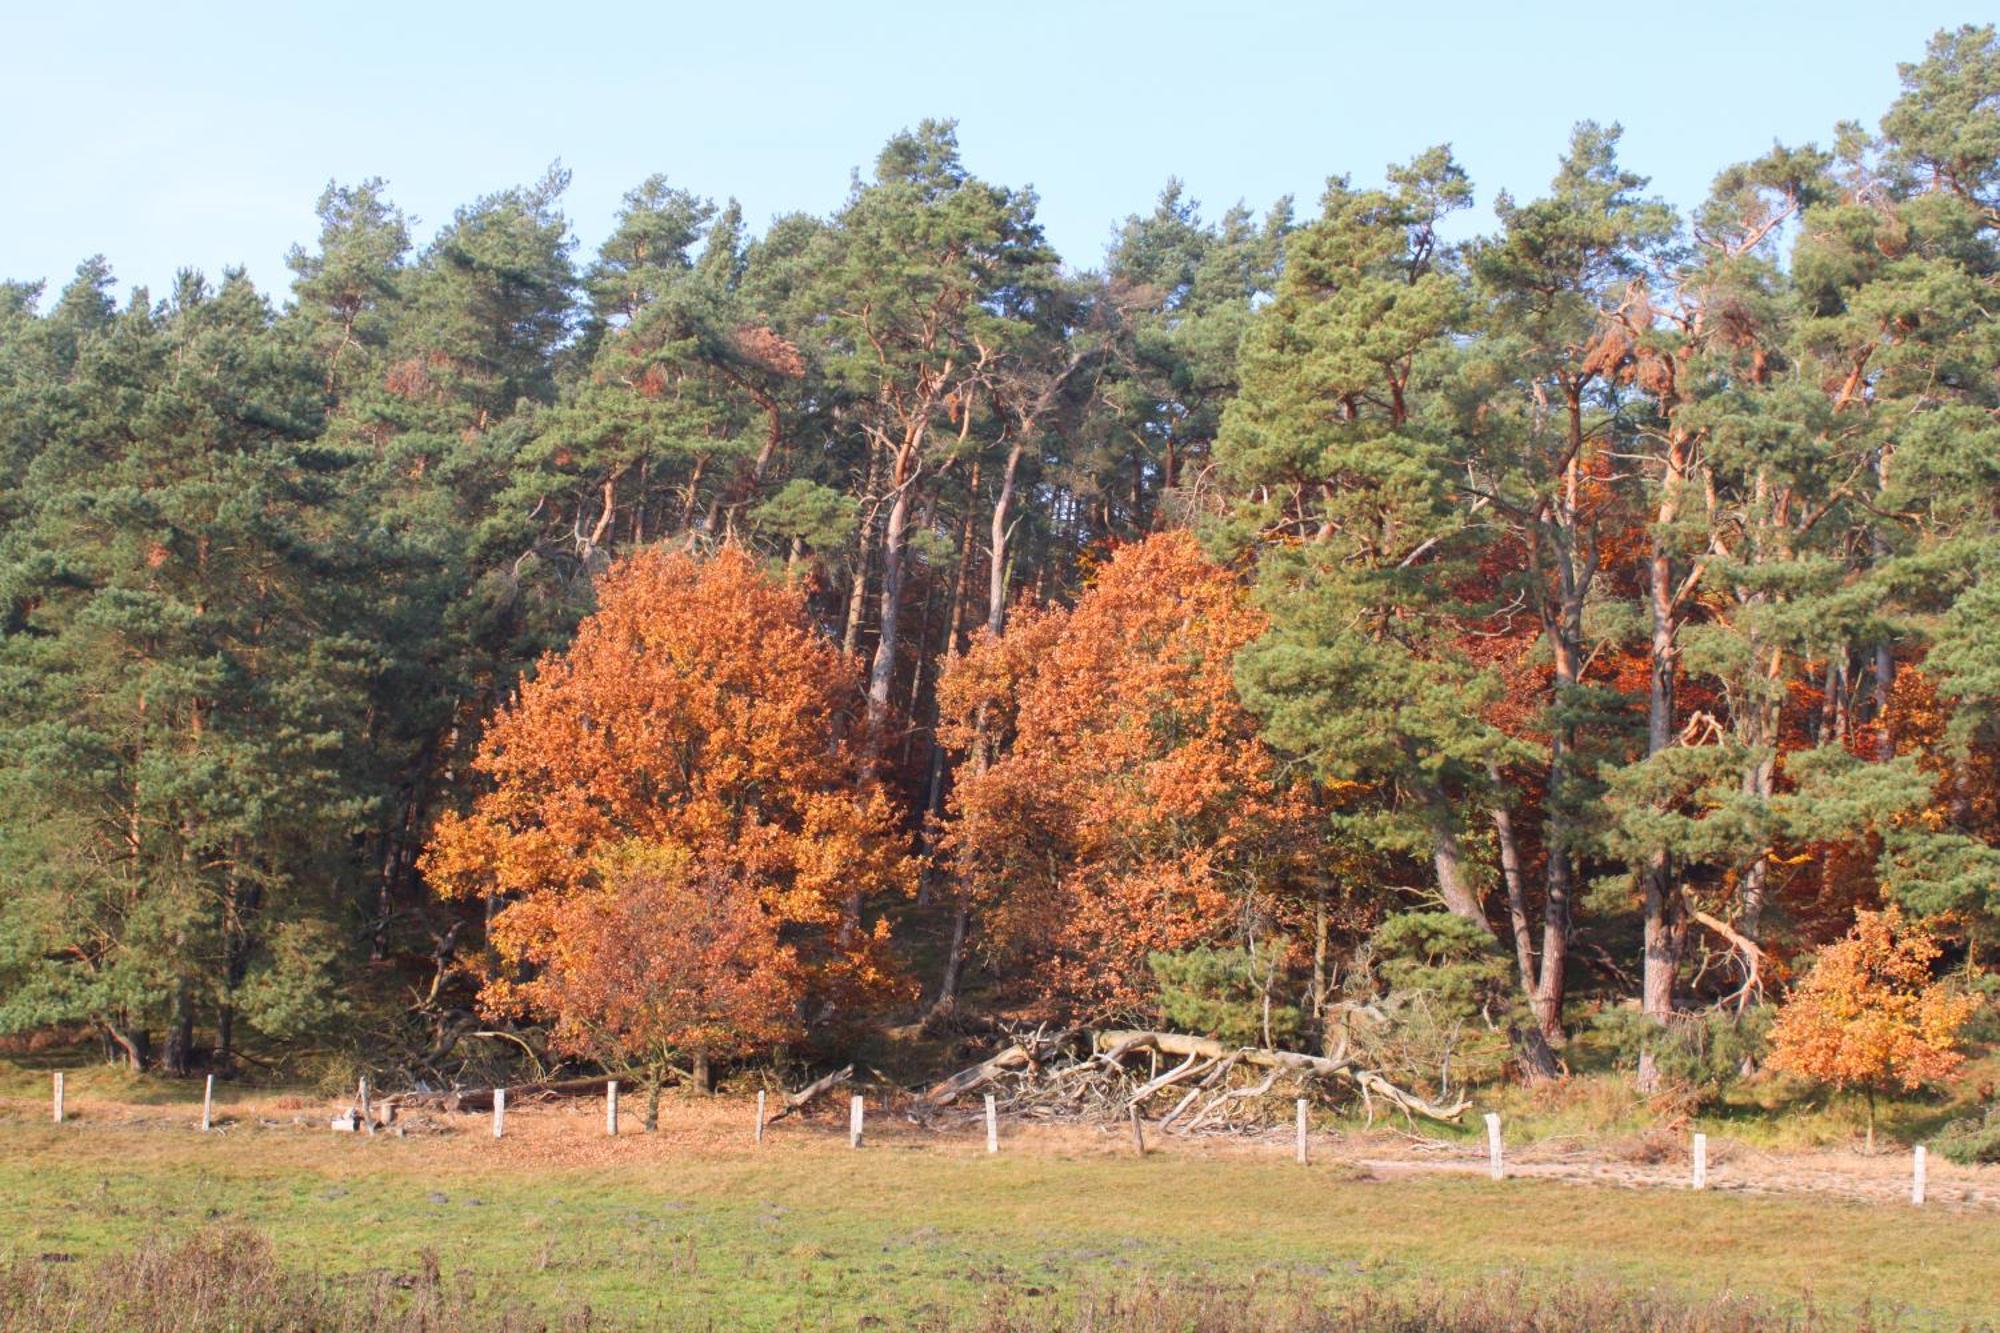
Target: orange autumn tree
(661, 958)
(1869, 1015)
(1117, 801)
(694, 720)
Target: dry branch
(1099, 1086)
(805, 1095)
(481, 1099)
(977, 1077)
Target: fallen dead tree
(1212, 1083)
(805, 1096)
(481, 1099)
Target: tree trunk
(1664, 935)
(1517, 896)
(1447, 858)
(996, 575)
(1662, 891)
(1885, 683)
(136, 1045)
(954, 963)
(864, 556)
(882, 673)
(1319, 976)
(1555, 950)
(179, 1057)
(1533, 1055)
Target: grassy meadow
(696, 1226)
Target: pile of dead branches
(1177, 1082)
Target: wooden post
(1138, 1132)
(1302, 1132)
(1701, 1161)
(992, 1126)
(361, 1101)
(760, 1115)
(207, 1102)
(59, 1097)
(499, 1112)
(611, 1108)
(855, 1112)
(1494, 1166)
(1917, 1177)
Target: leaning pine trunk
(1446, 856)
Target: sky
(166, 136)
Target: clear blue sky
(163, 134)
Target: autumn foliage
(661, 958)
(1869, 1014)
(680, 763)
(1118, 802)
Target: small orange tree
(697, 715)
(1869, 1014)
(661, 958)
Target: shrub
(1698, 1056)
(1449, 996)
(1455, 962)
(1971, 1141)
(1228, 994)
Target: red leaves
(1136, 809)
(694, 717)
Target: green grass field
(695, 1224)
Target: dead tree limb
(1753, 958)
(977, 1077)
(804, 1096)
(481, 1099)
(1316, 1066)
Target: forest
(1327, 628)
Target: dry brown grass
(231, 1279)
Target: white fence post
(1701, 1161)
(611, 1108)
(499, 1112)
(58, 1095)
(760, 1115)
(1302, 1132)
(1917, 1177)
(207, 1102)
(992, 1125)
(855, 1112)
(1495, 1167)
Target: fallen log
(978, 1076)
(481, 1099)
(804, 1095)
(1028, 1051)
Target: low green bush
(1971, 1140)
